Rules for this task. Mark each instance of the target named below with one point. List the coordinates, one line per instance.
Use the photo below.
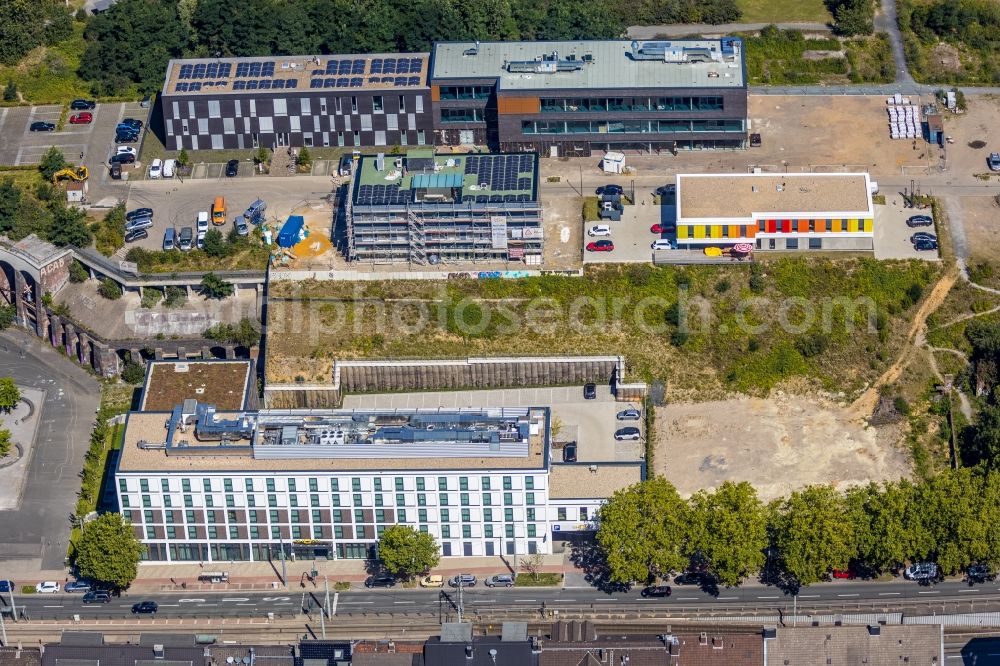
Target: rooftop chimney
(703, 638)
(158, 651)
(874, 630)
(468, 651)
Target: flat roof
(221, 383)
(605, 64)
(277, 75)
(503, 175)
(574, 481)
(746, 195)
(151, 427)
(892, 644)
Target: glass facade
(462, 116)
(465, 92)
(631, 126)
(598, 104)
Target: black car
(144, 607)
(923, 235)
(126, 137)
(232, 168)
(98, 597)
(83, 104)
(610, 189)
(569, 452)
(920, 221)
(135, 235)
(925, 245)
(42, 126)
(138, 212)
(590, 391)
(978, 573)
(690, 578)
(131, 122)
(656, 591)
(380, 580)
(122, 158)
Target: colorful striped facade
(776, 211)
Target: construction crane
(78, 174)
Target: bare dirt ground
(778, 444)
(981, 218)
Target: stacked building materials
(904, 118)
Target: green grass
(783, 11)
(538, 580)
(777, 57)
(732, 343)
(252, 256)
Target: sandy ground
(778, 445)
(980, 216)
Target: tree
(531, 564)
(52, 160)
(406, 551)
(183, 158)
(27, 24)
(10, 395)
(5, 442)
(7, 315)
(305, 157)
(109, 289)
(77, 272)
(215, 245)
(69, 227)
(953, 509)
(246, 333)
(108, 551)
(10, 92)
(212, 286)
(174, 297)
(728, 528)
(813, 533)
(642, 530)
(133, 372)
(985, 439)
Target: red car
(81, 119)
(600, 246)
(847, 574)
(662, 229)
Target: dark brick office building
(556, 98)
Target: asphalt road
(893, 594)
(39, 528)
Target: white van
(155, 169)
(168, 168)
(202, 222)
(663, 244)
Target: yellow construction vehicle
(78, 174)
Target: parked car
(232, 168)
(923, 235)
(116, 171)
(600, 246)
(169, 166)
(993, 161)
(500, 580)
(978, 573)
(569, 453)
(242, 228)
(131, 122)
(656, 591)
(126, 149)
(81, 119)
(186, 239)
(921, 571)
(77, 586)
(432, 581)
(155, 169)
(122, 158)
(169, 239)
(662, 229)
(610, 189)
(144, 607)
(126, 137)
(136, 235)
(590, 391)
(138, 212)
(924, 245)
(380, 580)
(629, 415)
(844, 574)
(97, 597)
(690, 578)
(599, 230)
(7, 586)
(663, 244)
(138, 223)
(631, 432)
(463, 580)
(920, 221)
(47, 587)
(83, 104)
(42, 126)
(202, 222)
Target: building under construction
(427, 209)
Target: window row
(597, 104)
(466, 92)
(255, 517)
(489, 531)
(356, 484)
(338, 499)
(462, 116)
(662, 126)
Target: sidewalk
(267, 575)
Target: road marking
(51, 606)
(191, 601)
(336, 598)
(966, 591)
(889, 594)
(284, 603)
(848, 595)
(930, 592)
(482, 601)
(725, 598)
(404, 602)
(237, 599)
(162, 605)
(565, 600)
(349, 602)
(768, 597)
(252, 603)
(208, 604)
(688, 598)
(808, 596)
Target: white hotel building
(201, 485)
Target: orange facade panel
(733, 231)
(435, 93)
(515, 105)
(803, 226)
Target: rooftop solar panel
(252, 84)
(267, 69)
(239, 85)
(181, 87)
(315, 83)
(254, 69)
(194, 87)
(264, 84)
(211, 70)
(278, 83)
(329, 83)
(356, 82)
(225, 68)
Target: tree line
(42, 209)
(27, 24)
(648, 531)
(132, 41)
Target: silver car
(629, 415)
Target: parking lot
(892, 236)
(94, 141)
(590, 423)
(631, 234)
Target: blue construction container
(289, 234)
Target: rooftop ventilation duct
(548, 63)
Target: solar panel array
(254, 69)
(342, 82)
(342, 68)
(501, 172)
(382, 195)
(266, 84)
(209, 70)
(396, 65)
